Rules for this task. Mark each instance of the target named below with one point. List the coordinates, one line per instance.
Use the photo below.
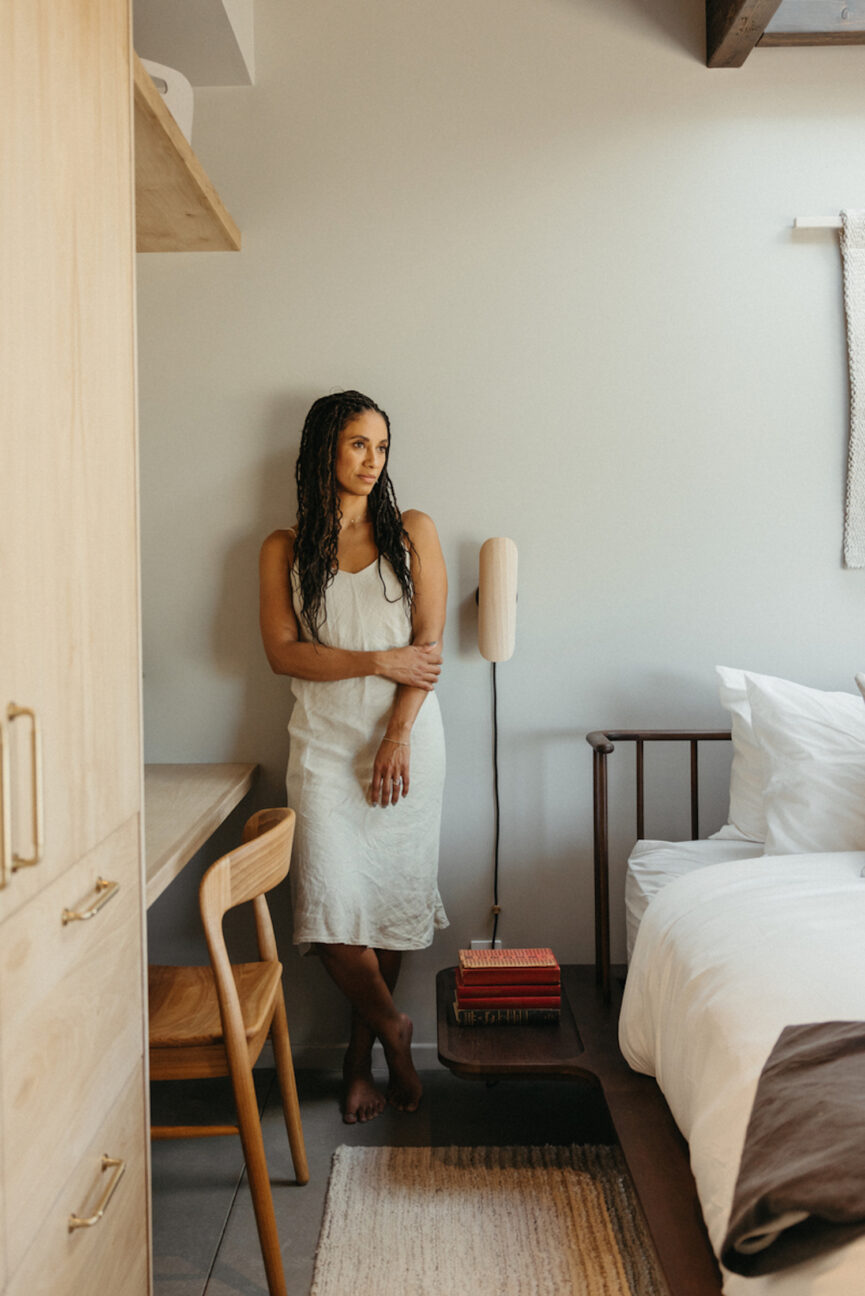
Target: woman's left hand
(390, 773)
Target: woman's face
(361, 453)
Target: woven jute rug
(518, 1221)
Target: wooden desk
(183, 805)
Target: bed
(735, 938)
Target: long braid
(318, 511)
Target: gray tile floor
(205, 1243)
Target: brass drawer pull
(14, 712)
(104, 892)
(108, 1163)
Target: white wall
(558, 250)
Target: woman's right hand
(418, 665)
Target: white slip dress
(362, 874)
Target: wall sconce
(497, 627)
(497, 599)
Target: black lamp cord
(496, 908)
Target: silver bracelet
(394, 741)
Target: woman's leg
(366, 977)
(363, 1099)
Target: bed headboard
(602, 743)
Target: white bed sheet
(724, 959)
(652, 864)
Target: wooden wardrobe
(74, 1196)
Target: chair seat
(184, 1009)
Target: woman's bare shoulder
(425, 544)
(279, 545)
(419, 526)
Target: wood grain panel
(110, 1257)
(72, 1009)
(68, 500)
(71, 999)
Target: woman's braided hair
(319, 514)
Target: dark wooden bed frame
(656, 1153)
(602, 743)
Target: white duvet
(724, 959)
(652, 865)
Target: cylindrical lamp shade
(497, 599)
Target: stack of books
(515, 987)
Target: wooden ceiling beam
(733, 28)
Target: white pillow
(814, 750)
(746, 817)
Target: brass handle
(108, 1163)
(13, 712)
(104, 892)
(5, 812)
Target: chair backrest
(251, 869)
(244, 874)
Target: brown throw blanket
(801, 1185)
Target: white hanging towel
(853, 256)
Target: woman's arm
(418, 667)
(428, 622)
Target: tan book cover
(538, 957)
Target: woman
(353, 609)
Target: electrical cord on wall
(496, 906)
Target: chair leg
(259, 1179)
(288, 1089)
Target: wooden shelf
(177, 209)
(183, 805)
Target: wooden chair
(213, 1021)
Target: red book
(486, 990)
(511, 976)
(520, 967)
(506, 1001)
(466, 1016)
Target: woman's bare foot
(362, 1098)
(405, 1089)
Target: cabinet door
(68, 491)
(109, 1258)
(72, 1008)
(69, 650)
